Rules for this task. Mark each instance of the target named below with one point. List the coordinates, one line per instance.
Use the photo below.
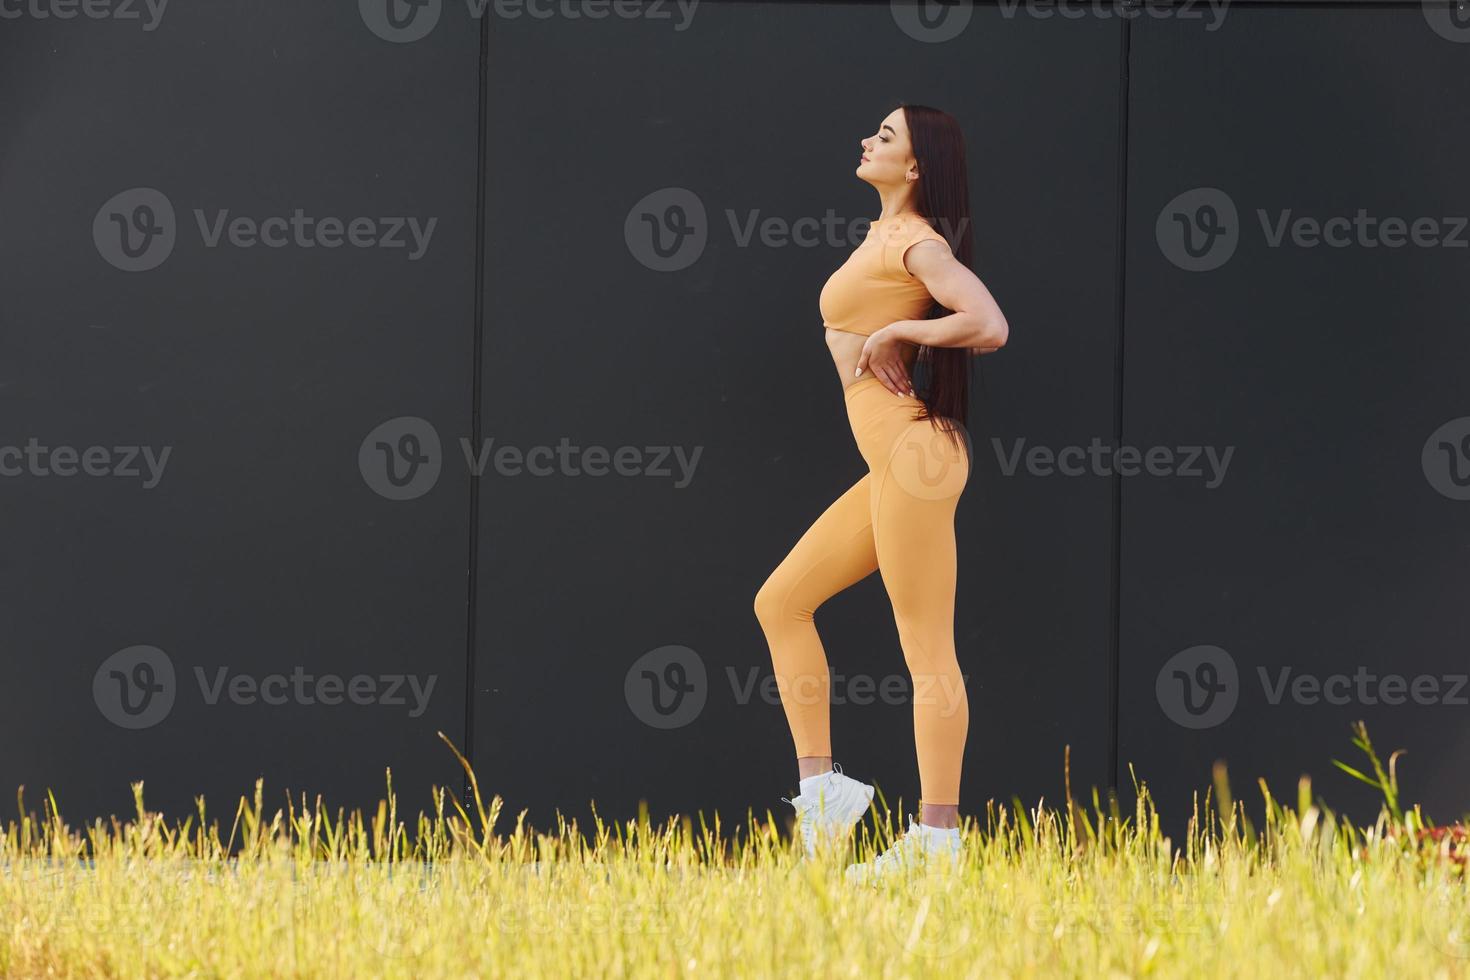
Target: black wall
(261, 548)
(1337, 542)
(318, 512)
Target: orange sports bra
(872, 288)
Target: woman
(905, 296)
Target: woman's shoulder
(911, 227)
(902, 232)
(902, 227)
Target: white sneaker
(828, 807)
(922, 849)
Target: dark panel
(1336, 543)
(261, 549)
(756, 111)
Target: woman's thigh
(835, 552)
(912, 507)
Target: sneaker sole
(938, 863)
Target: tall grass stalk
(1081, 889)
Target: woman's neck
(896, 205)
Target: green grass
(464, 891)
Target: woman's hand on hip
(881, 354)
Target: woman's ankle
(813, 765)
(940, 816)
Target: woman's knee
(929, 663)
(770, 601)
(933, 664)
(941, 691)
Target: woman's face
(887, 156)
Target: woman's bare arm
(976, 323)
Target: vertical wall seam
(476, 381)
(1115, 639)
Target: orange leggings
(898, 520)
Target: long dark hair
(943, 199)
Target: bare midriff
(847, 347)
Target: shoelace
(806, 806)
(807, 803)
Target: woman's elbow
(994, 336)
(1000, 331)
